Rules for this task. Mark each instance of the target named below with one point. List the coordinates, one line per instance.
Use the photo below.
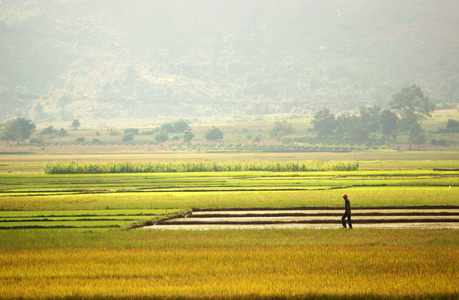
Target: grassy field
(232, 272)
(111, 262)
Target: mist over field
(77, 59)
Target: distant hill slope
(64, 59)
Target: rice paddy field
(72, 235)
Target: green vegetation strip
(156, 167)
(82, 238)
(80, 219)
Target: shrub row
(264, 148)
(155, 167)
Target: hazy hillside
(86, 59)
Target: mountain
(107, 59)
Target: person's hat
(344, 196)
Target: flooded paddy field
(374, 217)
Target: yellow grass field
(232, 272)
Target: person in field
(347, 212)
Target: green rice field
(80, 218)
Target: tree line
(21, 129)
(161, 134)
(409, 108)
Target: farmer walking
(347, 212)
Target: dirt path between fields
(379, 217)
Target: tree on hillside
(9, 132)
(413, 107)
(133, 131)
(324, 122)
(75, 124)
(49, 130)
(452, 126)
(344, 123)
(62, 132)
(214, 134)
(281, 128)
(180, 126)
(419, 136)
(168, 127)
(127, 137)
(187, 138)
(388, 121)
(161, 137)
(369, 117)
(358, 134)
(17, 129)
(39, 140)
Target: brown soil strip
(307, 226)
(324, 213)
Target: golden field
(232, 272)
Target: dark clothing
(348, 216)
(347, 213)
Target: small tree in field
(127, 137)
(181, 126)
(452, 126)
(281, 128)
(161, 137)
(168, 127)
(75, 124)
(214, 134)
